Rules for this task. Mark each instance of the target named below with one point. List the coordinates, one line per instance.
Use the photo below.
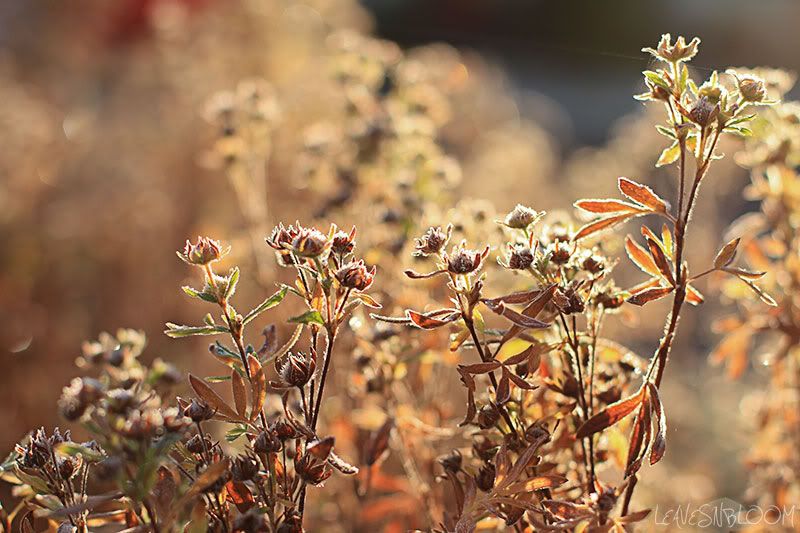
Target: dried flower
(464, 261)
(521, 217)
(202, 253)
(434, 240)
(310, 242)
(355, 276)
(670, 53)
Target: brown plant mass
(342, 372)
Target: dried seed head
(451, 462)
(464, 261)
(297, 369)
(343, 243)
(310, 242)
(703, 112)
(488, 416)
(244, 468)
(196, 445)
(484, 448)
(203, 252)
(593, 264)
(536, 432)
(174, 421)
(355, 275)
(119, 401)
(561, 253)
(292, 523)
(434, 240)
(251, 522)
(267, 442)
(485, 477)
(312, 470)
(521, 217)
(76, 398)
(67, 467)
(752, 89)
(284, 430)
(520, 258)
(199, 411)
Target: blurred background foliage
(106, 168)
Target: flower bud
(703, 112)
(752, 89)
(297, 369)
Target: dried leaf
(208, 395)
(610, 415)
(258, 386)
(660, 440)
(239, 393)
(642, 194)
(727, 254)
(648, 295)
(664, 265)
(693, 296)
(503, 392)
(516, 318)
(600, 225)
(428, 321)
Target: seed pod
(521, 217)
(199, 411)
(267, 442)
(521, 258)
(203, 252)
(244, 468)
(451, 462)
(488, 416)
(485, 477)
(433, 241)
(356, 276)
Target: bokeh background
(105, 168)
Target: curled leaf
(726, 255)
(610, 415)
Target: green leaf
(74, 449)
(309, 317)
(669, 155)
(235, 433)
(233, 279)
(205, 296)
(177, 331)
(667, 132)
(267, 304)
(217, 379)
(656, 79)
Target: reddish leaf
(519, 382)
(642, 194)
(416, 275)
(518, 319)
(379, 442)
(648, 295)
(640, 439)
(610, 415)
(430, 322)
(503, 392)
(600, 225)
(258, 386)
(239, 495)
(607, 205)
(661, 261)
(480, 368)
(321, 448)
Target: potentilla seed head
(521, 217)
(521, 258)
(433, 242)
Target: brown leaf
(642, 194)
(524, 355)
(321, 448)
(480, 368)
(634, 517)
(208, 395)
(239, 393)
(600, 225)
(727, 254)
(430, 322)
(664, 265)
(532, 310)
(610, 415)
(416, 275)
(640, 257)
(648, 295)
(518, 319)
(258, 386)
(660, 441)
(607, 205)
(379, 442)
(519, 382)
(209, 476)
(503, 392)
(640, 439)
(522, 297)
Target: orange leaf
(607, 205)
(640, 257)
(610, 415)
(648, 295)
(600, 224)
(642, 194)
